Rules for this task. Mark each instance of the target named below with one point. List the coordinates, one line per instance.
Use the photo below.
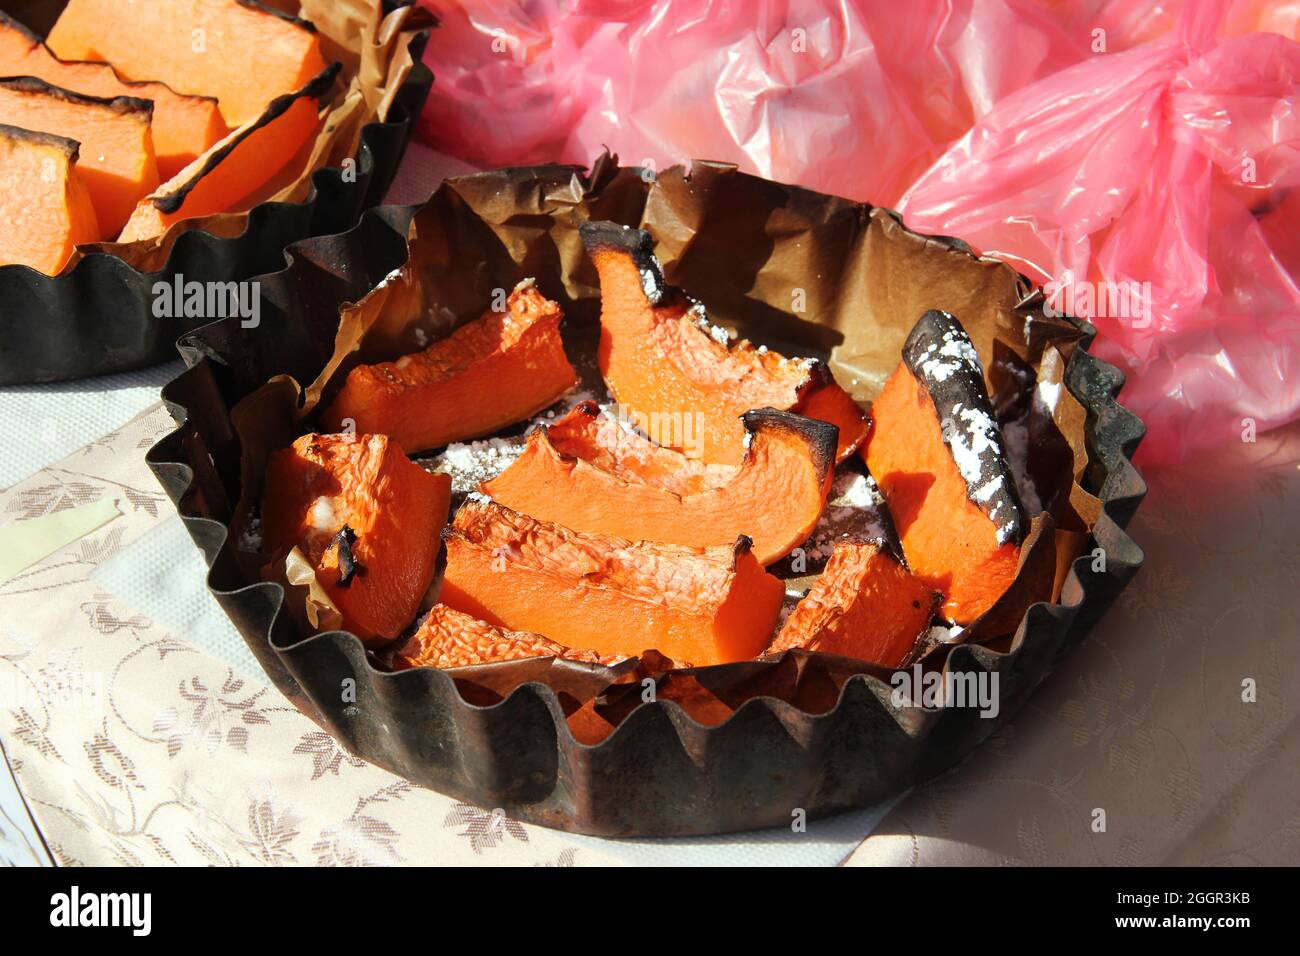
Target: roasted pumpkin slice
(239, 51)
(450, 638)
(865, 604)
(675, 374)
(116, 159)
(608, 594)
(236, 168)
(367, 518)
(184, 127)
(936, 452)
(774, 496)
(611, 444)
(44, 205)
(489, 373)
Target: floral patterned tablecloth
(132, 746)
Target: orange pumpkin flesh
(864, 605)
(237, 167)
(961, 530)
(450, 638)
(242, 53)
(490, 373)
(660, 358)
(184, 127)
(775, 496)
(116, 159)
(366, 517)
(601, 441)
(607, 594)
(44, 205)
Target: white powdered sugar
(855, 511)
(650, 285)
(470, 463)
(975, 437)
(944, 359)
(986, 491)
(854, 490)
(716, 332)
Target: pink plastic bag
(1151, 190)
(1121, 159)
(852, 98)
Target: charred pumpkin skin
(775, 496)
(45, 206)
(659, 356)
(488, 374)
(237, 167)
(450, 638)
(116, 160)
(607, 594)
(961, 528)
(155, 41)
(183, 127)
(367, 518)
(864, 605)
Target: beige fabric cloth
(1146, 719)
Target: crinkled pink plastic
(1102, 144)
(852, 98)
(1163, 174)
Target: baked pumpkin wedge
(450, 638)
(864, 605)
(366, 517)
(775, 496)
(44, 205)
(497, 370)
(662, 359)
(936, 452)
(608, 594)
(116, 160)
(237, 167)
(609, 443)
(243, 53)
(184, 127)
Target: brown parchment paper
(783, 266)
(373, 50)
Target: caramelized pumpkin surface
(676, 374)
(116, 160)
(241, 52)
(936, 453)
(450, 638)
(774, 496)
(367, 519)
(44, 205)
(492, 372)
(608, 594)
(865, 605)
(184, 127)
(236, 168)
